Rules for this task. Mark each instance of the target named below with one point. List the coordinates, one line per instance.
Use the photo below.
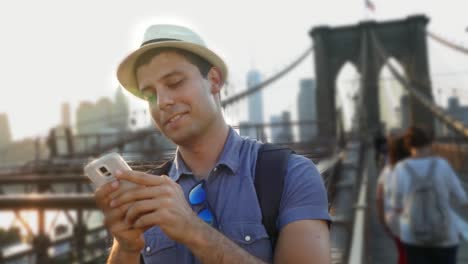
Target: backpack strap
(416, 178)
(270, 171)
(410, 170)
(432, 166)
(413, 173)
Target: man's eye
(175, 84)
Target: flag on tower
(370, 5)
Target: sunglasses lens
(197, 195)
(206, 216)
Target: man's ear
(215, 77)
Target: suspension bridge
(345, 158)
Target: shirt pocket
(250, 236)
(158, 247)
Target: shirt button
(247, 238)
(215, 169)
(148, 249)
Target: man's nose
(165, 99)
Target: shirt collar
(229, 157)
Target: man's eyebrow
(166, 76)
(170, 74)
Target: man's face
(182, 102)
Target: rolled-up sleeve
(304, 195)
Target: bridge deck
(381, 247)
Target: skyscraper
(459, 112)
(103, 116)
(286, 134)
(66, 115)
(5, 134)
(255, 101)
(307, 110)
(255, 108)
(405, 111)
(275, 129)
(121, 111)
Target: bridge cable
(268, 81)
(447, 43)
(436, 110)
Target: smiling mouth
(174, 118)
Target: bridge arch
(405, 40)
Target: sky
(54, 52)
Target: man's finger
(145, 193)
(102, 193)
(139, 208)
(139, 177)
(115, 214)
(119, 227)
(148, 220)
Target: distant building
(405, 111)
(307, 110)
(275, 129)
(65, 115)
(120, 111)
(87, 118)
(281, 129)
(104, 116)
(5, 134)
(20, 152)
(247, 129)
(255, 101)
(457, 111)
(286, 134)
(255, 109)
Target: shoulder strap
(416, 177)
(410, 170)
(432, 166)
(271, 168)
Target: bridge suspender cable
(267, 82)
(448, 43)
(437, 111)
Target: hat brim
(126, 69)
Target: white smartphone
(102, 170)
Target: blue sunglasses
(197, 196)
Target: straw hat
(166, 36)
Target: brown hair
(397, 150)
(417, 137)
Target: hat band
(158, 40)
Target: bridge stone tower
(404, 40)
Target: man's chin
(178, 137)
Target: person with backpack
(223, 198)
(387, 217)
(424, 186)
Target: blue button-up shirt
(232, 198)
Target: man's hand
(130, 240)
(160, 203)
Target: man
(206, 209)
(425, 189)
